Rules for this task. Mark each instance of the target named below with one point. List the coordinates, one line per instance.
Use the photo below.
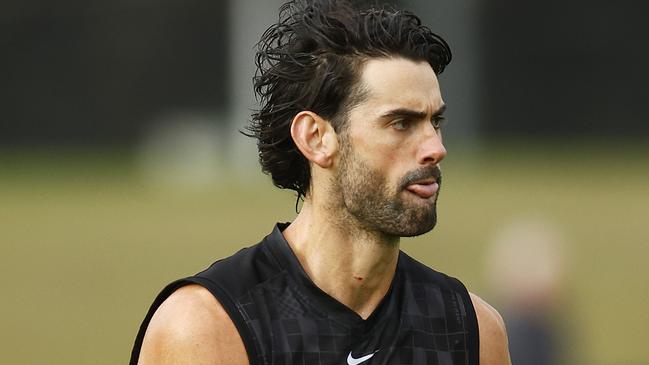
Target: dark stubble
(376, 206)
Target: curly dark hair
(310, 60)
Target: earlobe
(315, 138)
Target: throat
(360, 292)
(361, 298)
(355, 269)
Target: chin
(418, 231)
(411, 225)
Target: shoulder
(239, 273)
(494, 349)
(191, 327)
(418, 272)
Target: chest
(417, 326)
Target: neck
(353, 265)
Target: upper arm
(191, 327)
(494, 348)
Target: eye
(438, 122)
(400, 124)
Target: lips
(424, 189)
(424, 182)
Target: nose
(431, 149)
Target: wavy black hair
(310, 60)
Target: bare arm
(494, 348)
(191, 327)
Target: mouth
(424, 189)
(423, 183)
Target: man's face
(389, 176)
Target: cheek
(383, 154)
(388, 163)
(381, 158)
(378, 149)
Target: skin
(348, 257)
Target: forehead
(393, 83)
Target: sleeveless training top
(284, 318)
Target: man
(350, 119)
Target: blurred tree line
(565, 68)
(94, 71)
(79, 72)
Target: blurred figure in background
(525, 271)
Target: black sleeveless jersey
(284, 318)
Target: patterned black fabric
(284, 318)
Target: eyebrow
(410, 113)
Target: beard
(378, 207)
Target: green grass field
(85, 245)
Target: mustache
(424, 173)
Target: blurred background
(121, 167)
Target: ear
(315, 138)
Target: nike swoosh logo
(352, 361)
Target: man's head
(327, 62)
(389, 175)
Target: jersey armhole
(473, 336)
(224, 299)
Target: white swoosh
(352, 361)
